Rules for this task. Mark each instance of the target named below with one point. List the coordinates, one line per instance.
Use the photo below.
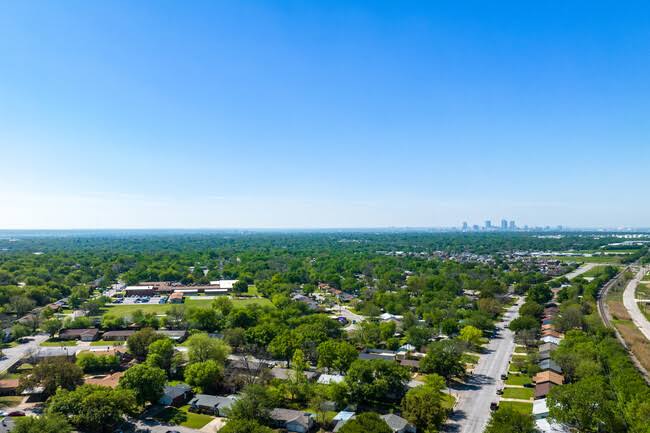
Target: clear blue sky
(323, 114)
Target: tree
(471, 335)
(52, 326)
(161, 354)
(145, 381)
(19, 331)
(204, 318)
(443, 358)
(140, 341)
(423, 406)
(282, 346)
(586, 405)
(91, 363)
(201, 348)
(244, 426)
(523, 323)
(223, 304)
(336, 355)
(255, 403)
(49, 423)
(365, 423)
(509, 420)
(21, 304)
(52, 374)
(92, 407)
(376, 379)
(204, 375)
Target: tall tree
(52, 374)
(145, 381)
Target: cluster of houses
(551, 373)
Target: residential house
(215, 405)
(326, 379)
(294, 421)
(89, 334)
(545, 426)
(547, 347)
(109, 380)
(286, 373)
(8, 386)
(119, 335)
(544, 354)
(551, 339)
(176, 395)
(540, 409)
(387, 355)
(341, 418)
(542, 389)
(411, 364)
(398, 424)
(55, 352)
(549, 364)
(549, 376)
(177, 335)
(552, 333)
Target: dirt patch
(637, 342)
(617, 310)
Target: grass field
(518, 379)
(518, 393)
(126, 310)
(520, 349)
(525, 408)
(594, 259)
(595, 271)
(183, 417)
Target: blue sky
(323, 114)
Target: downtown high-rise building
(504, 224)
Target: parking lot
(133, 300)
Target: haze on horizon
(334, 114)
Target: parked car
(494, 405)
(16, 413)
(504, 376)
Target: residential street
(629, 300)
(14, 354)
(472, 410)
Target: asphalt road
(472, 410)
(16, 353)
(629, 300)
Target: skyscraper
(512, 226)
(464, 226)
(504, 224)
(488, 224)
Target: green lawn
(183, 417)
(126, 310)
(520, 349)
(448, 401)
(519, 393)
(518, 379)
(470, 358)
(525, 408)
(107, 343)
(51, 343)
(10, 400)
(595, 271)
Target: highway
(472, 410)
(14, 354)
(632, 307)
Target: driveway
(472, 410)
(629, 300)
(16, 353)
(140, 426)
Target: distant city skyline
(269, 114)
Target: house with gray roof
(212, 404)
(398, 424)
(294, 421)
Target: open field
(525, 408)
(609, 259)
(125, 310)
